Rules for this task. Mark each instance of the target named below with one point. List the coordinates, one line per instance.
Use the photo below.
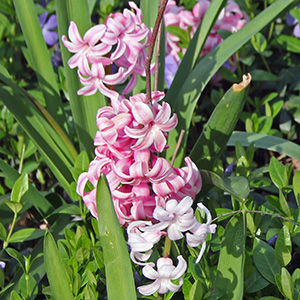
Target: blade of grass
(195, 47)
(84, 108)
(40, 59)
(267, 142)
(186, 99)
(116, 257)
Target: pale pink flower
(200, 232)
(94, 78)
(176, 217)
(87, 49)
(153, 123)
(166, 272)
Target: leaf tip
(237, 87)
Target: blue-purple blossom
(50, 36)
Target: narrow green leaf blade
(84, 108)
(218, 129)
(265, 141)
(296, 186)
(230, 270)
(26, 234)
(58, 278)
(116, 257)
(41, 59)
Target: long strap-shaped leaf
(185, 101)
(265, 141)
(118, 270)
(195, 47)
(40, 59)
(218, 129)
(56, 272)
(230, 270)
(47, 140)
(84, 108)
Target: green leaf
(283, 247)
(184, 100)
(56, 272)
(42, 205)
(277, 173)
(288, 43)
(28, 286)
(15, 254)
(14, 206)
(26, 234)
(237, 187)
(287, 284)
(20, 188)
(255, 283)
(40, 58)
(296, 186)
(230, 270)
(15, 296)
(116, 257)
(3, 232)
(84, 108)
(196, 291)
(261, 75)
(268, 142)
(265, 261)
(218, 129)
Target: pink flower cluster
(172, 221)
(231, 18)
(129, 134)
(121, 43)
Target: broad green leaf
(277, 173)
(230, 270)
(237, 187)
(196, 291)
(269, 298)
(265, 141)
(218, 129)
(296, 186)
(3, 232)
(261, 75)
(116, 257)
(15, 296)
(255, 283)
(40, 58)
(26, 234)
(288, 43)
(265, 261)
(150, 10)
(184, 100)
(28, 286)
(56, 272)
(287, 284)
(14, 206)
(283, 247)
(15, 254)
(20, 187)
(84, 108)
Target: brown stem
(158, 43)
(151, 48)
(177, 146)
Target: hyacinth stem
(177, 146)
(151, 48)
(158, 43)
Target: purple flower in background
(56, 57)
(290, 20)
(50, 36)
